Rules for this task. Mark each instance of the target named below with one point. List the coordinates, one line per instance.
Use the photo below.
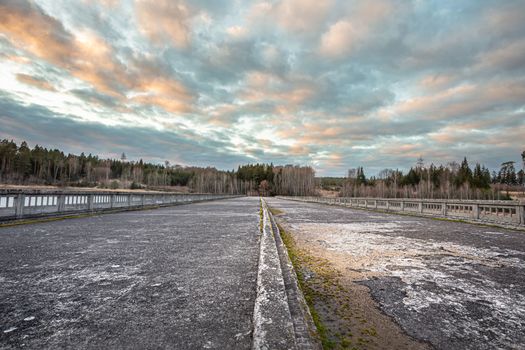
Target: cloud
(352, 29)
(86, 56)
(338, 39)
(39, 125)
(109, 3)
(92, 96)
(508, 57)
(36, 31)
(237, 32)
(302, 16)
(331, 83)
(36, 82)
(165, 21)
(463, 101)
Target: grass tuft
(276, 212)
(299, 258)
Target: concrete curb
(273, 327)
(306, 335)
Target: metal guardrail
(500, 212)
(24, 204)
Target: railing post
(402, 208)
(521, 210)
(421, 206)
(111, 200)
(387, 205)
(129, 200)
(90, 201)
(475, 211)
(19, 205)
(61, 202)
(444, 208)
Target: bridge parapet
(21, 204)
(498, 212)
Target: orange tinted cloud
(164, 21)
(88, 57)
(288, 95)
(302, 15)
(36, 82)
(32, 30)
(108, 3)
(459, 101)
(298, 149)
(339, 39)
(347, 32)
(165, 93)
(85, 56)
(435, 81)
(292, 16)
(94, 62)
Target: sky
(327, 83)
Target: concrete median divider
(280, 319)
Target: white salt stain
(104, 274)
(30, 318)
(9, 330)
(241, 335)
(432, 272)
(156, 284)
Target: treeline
(39, 165)
(329, 183)
(454, 180)
(263, 179)
(42, 166)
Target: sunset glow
(332, 84)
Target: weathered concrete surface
(272, 322)
(456, 285)
(306, 334)
(181, 278)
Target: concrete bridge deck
(452, 285)
(186, 277)
(181, 277)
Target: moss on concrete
(275, 211)
(328, 300)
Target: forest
(453, 180)
(22, 165)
